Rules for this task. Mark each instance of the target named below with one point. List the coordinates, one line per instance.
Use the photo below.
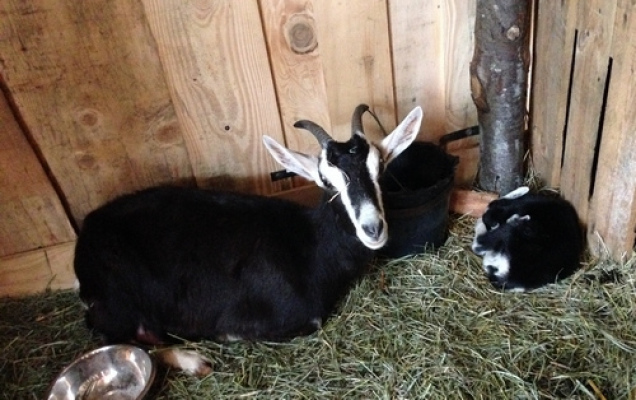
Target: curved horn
(316, 130)
(356, 119)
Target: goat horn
(316, 130)
(356, 119)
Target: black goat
(203, 264)
(528, 240)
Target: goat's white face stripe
(369, 213)
(373, 163)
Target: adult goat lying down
(200, 264)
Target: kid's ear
(518, 192)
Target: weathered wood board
(612, 218)
(37, 270)
(356, 59)
(216, 65)
(86, 79)
(117, 95)
(432, 42)
(553, 47)
(582, 125)
(594, 24)
(31, 213)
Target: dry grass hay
(428, 326)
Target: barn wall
(104, 97)
(583, 123)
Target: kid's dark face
(498, 213)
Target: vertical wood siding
(583, 127)
(117, 95)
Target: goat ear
(293, 161)
(402, 136)
(518, 192)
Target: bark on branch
(499, 81)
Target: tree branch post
(499, 82)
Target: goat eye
(353, 150)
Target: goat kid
(194, 264)
(528, 240)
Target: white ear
(293, 161)
(516, 219)
(518, 192)
(402, 136)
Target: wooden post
(499, 80)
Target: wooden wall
(583, 121)
(102, 97)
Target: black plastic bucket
(416, 190)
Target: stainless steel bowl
(110, 372)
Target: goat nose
(373, 230)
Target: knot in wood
(168, 134)
(87, 117)
(513, 33)
(300, 34)
(85, 161)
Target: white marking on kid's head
(516, 218)
(518, 192)
(480, 229)
(499, 263)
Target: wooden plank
(554, 39)
(417, 42)
(458, 49)
(353, 37)
(292, 40)
(431, 45)
(87, 81)
(595, 23)
(38, 270)
(612, 220)
(31, 214)
(470, 202)
(215, 59)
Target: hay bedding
(429, 326)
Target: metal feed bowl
(110, 372)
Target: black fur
(200, 264)
(541, 249)
(180, 261)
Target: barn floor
(423, 327)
